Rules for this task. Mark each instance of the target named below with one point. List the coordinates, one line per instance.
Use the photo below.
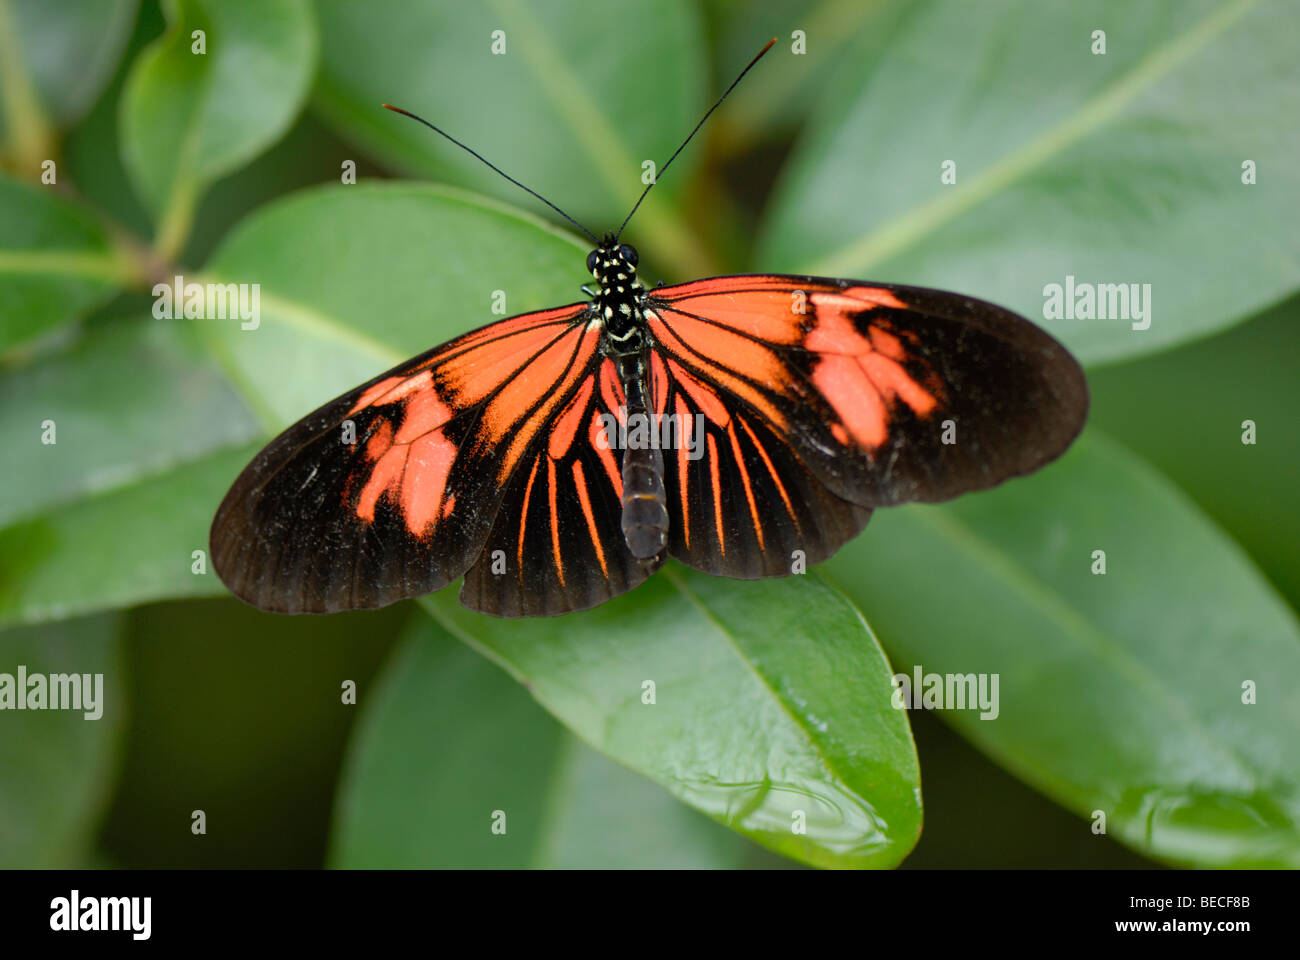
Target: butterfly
(744, 425)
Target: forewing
(390, 490)
(887, 394)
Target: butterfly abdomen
(645, 514)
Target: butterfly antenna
(741, 76)
(479, 156)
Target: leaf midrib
(1076, 623)
(908, 229)
(832, 768)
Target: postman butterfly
(523, 455)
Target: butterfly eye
(628, 255)
(592, 258)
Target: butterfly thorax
(617, 302)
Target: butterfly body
(619, 309)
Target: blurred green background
(1120, 693)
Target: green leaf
(54, 61)
(56, 263)
(69, 49)
(131, 400)
(58, 764)
(1120, 692)
(131, 545)
(147, 435)
(771, 706)
(189, 117)
(566, 109)
(239, 713)
(1118, 168)
(1249, 489)
(447, 740)
(354, 279)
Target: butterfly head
(613, 262)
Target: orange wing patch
(410, 465)
(540, 388)
(706, 341)
(862, 375)
(566, 425)
(584, 497)
(770, 315)
(393, 389)
(413, 473)
(601, 444)
(520, 363)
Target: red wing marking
(758, 362)
(771, 471)
(424, 479)
(717, 494)
(506, 328)
(611, 391)
(893, 381)
(474, 374)
(580, 481)
(859, 374)
(414, 475)
(412, 466)
(704, 398)
(658, 383)
(835, 332)
(715, 343)
(380, 441)
(424, 413)
(744, 479)
(769, 315)
(860, 389)
(566, 425)
(523, 517)
(392, 389)
(888, 344)
(540, 387)
(846, 386)
(384, 476)
(600, 442)
(876, 295)
(555, 521)
(684, 472)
